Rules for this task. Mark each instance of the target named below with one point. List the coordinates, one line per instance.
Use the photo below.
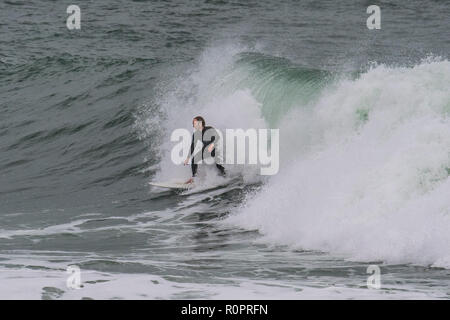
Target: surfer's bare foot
(189, 181)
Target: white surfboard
(172, 185)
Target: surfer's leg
(219, 166)
(194, 167)
(221, 169)
(194, 172)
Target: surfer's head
(198, 123)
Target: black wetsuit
(205, 144)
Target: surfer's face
(197, 125)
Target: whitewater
(366, 170)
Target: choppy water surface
(85, 123)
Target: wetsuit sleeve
(192, 145)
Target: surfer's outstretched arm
(194, 166)
(191, 152)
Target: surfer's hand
(211, 146)
(186, 161)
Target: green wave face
(276, 83)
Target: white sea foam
(51, 284)
(364, 171)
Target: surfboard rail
(172, 185)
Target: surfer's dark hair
(198, 118)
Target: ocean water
(86, 118)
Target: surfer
(202, 133)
